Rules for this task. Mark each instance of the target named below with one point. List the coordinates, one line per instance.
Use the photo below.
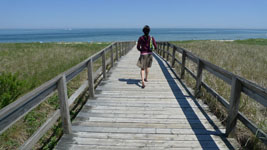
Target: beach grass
(25, 66)
(252, 41)
(246, 58)
(34, 63)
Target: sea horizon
(125, 34)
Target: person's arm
(139, 44)
(154, 43)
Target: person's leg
(146, 70)
(142, 77)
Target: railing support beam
(173, 56)
(91, 78)
(104, 65)
(183, 64)
(64, 106)
(111, 56)
(117, 54)
(163, 49)
(199, 78)
(234, 105)
(168, 47)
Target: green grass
(246, 58)
(252, 41)
(25, 66)
(35, 63)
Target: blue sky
(133, 13)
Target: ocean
(109, 35)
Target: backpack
(151, 45)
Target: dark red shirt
(144, 44)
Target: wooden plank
(91, 79)
(163, 137)
(190, 55)
(176, 60)
(41, 131)
(19, 108)
(121, 104)
(78, 92)
(64, 106)
(222, 100)
(145, 120)
(132, 147)
(143, 115)
(191, 73)
(74, 71)
(145, 125)
(147, 130)
(254, 91)
(147, 143)
(234, 105)
(111, 57)
(117, 51)
(168, 51)
(183, 64)
(253, 128)
(179, 112)
(218, 72)
(179, 49)
(199, 78)
(163, 49)
(104, 65)
(144, 110)
(173, 56)
(99, 54)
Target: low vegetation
(246, 58)
(25, 66)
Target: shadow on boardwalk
(131, 81)
(191, 116)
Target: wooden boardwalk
(161, 116)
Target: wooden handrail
(19, 108)
(238, 84)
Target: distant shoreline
(98, 42)
(126, 34)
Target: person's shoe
(143, 85)
(145, 80)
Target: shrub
(10, 88)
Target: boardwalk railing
(16, 110)
(238, 85)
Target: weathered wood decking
(161, 116)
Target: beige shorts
(145, 61)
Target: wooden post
(125, 48)
(183, 64)
(199, 78)
(163, 50)
(64, 106)
(111, 56)
(160, 49)
(104, 64)
(122, 48)
(117, 54)
(168, 47)
(173, 56)
(91, 78)
(234, 105)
